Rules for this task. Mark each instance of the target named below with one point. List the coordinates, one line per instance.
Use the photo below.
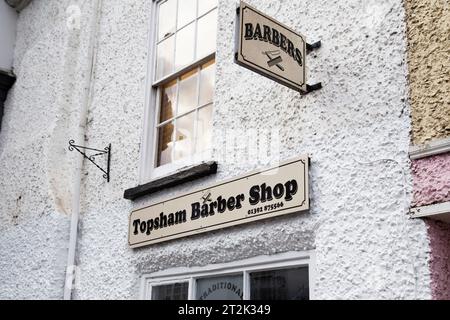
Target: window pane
(185, 136)
(205, 5)
(164, 64)
(176, 291)
(289, 284)
(166, 18)
(187, 11)
(220, 288)
(206, 39)
(168, 101)
(207, 83)
(187, 97)
(185, 46)
(204, 129)
(165, 144)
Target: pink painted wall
(439, 233)
(432, 185)
(431, 180)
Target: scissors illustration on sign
(207, 197)
(274, 59)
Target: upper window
(186, 33)
(184, 76)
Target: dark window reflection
(176, 291)
(287, 284)
(168, 101)
(165, 144)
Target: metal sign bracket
(309, 48)
(313, 46)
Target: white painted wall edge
(8, 23)
(430, 149)
(440, 211)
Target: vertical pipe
(75, 214)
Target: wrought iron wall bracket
(91, 158)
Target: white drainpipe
(75, 213)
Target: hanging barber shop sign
(271, 49)
(255, 196)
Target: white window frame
(261, 263)
(149, 147)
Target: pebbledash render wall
(428, 25)
(356, 131)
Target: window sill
(178, 178)
(440, 211)
(429, 149)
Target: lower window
(282, 277)
(174, 291)
(283, 284)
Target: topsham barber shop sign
(269, 48)
(255, 196)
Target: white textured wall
(366, 246)
(8, 19)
